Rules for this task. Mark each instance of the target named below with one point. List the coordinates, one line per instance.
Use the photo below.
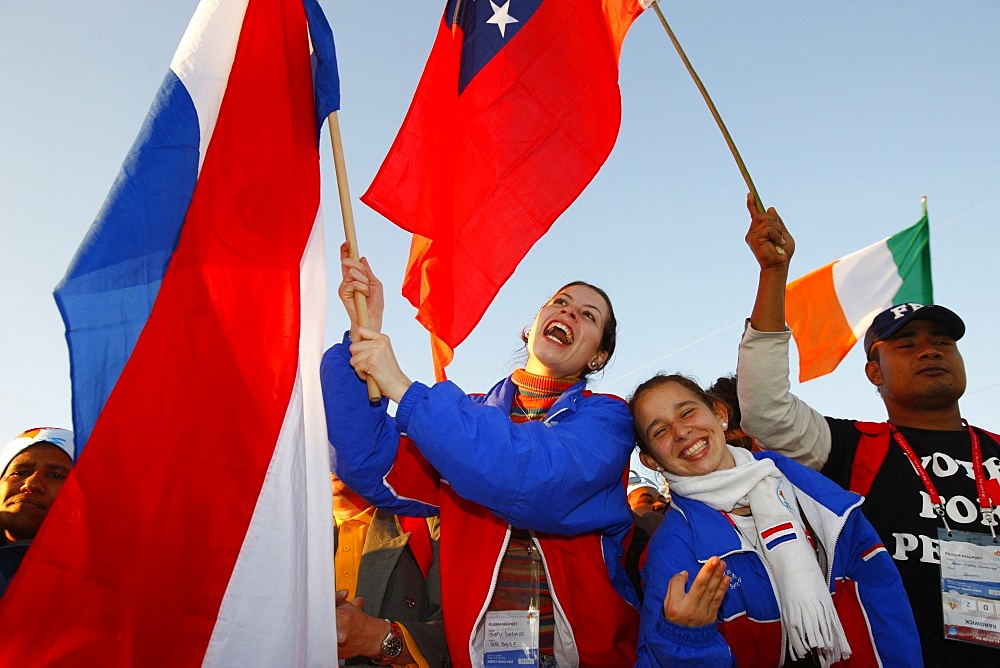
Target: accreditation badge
(511, 638)
(970, 587)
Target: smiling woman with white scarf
(760, 561)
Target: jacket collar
(502, 396)
(712, 534)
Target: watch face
(392, 646)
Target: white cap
(635, 481)
(62, 438)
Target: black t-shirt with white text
(899, 508)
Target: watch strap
(392, 646)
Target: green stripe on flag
(911, 251)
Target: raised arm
(766, 231)
(562, 477)
(770, 412)
(363, 435)
(367, 441)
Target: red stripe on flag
(775, 529)
(132, 563)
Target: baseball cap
(894, 318)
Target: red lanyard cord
(985, 503)
(985, 506)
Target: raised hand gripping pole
(339, 166)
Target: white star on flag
(500, 17)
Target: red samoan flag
(517, 109)
(196, 527)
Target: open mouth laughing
(559, 333)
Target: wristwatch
(392, 646)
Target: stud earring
(725, 425)
(593, 364)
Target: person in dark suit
(389, 586)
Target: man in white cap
(648, 505)
(643, 495)
(33, 467)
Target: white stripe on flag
(205, 71)
(279, 606)
(865, 282)
(778, 537)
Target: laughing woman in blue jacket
(527, 478)
(786, 568)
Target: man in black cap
(915, 364)
(918, 389)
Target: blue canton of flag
(487, 27)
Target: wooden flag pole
(715, 114)
(340, 167)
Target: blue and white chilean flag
(196, 526)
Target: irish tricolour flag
(830, 308)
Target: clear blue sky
(846, 114)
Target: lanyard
(985, 506)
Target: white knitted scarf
(807, 612)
